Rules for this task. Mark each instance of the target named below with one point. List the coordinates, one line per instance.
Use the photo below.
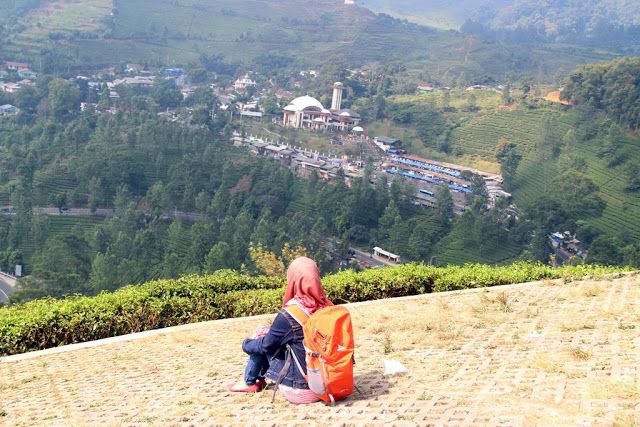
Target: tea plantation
(49, 323)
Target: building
(243, 83)
(133, 68)
(306, 112)
(25, 73)
(186, 92)
(84, 106)
(8, 110)
(10, 87)
(387, 144)
(425, 89)
(138, 81)
(15, 66)
(566, 245)
(251, 114)
(173, 72)
(281, 93)
(336, 100)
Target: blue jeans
(256, 368)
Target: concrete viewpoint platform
(544, 353)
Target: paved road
(367, 258)
(7, 286)
(78, 212)
(108, 213)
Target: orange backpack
(329, 346)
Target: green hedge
(48, 323)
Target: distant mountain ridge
(444, 14)
(556, 19)
(97, 33)
(61, 34)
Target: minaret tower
(336, 101)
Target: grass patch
(387, 344)
(549, 363)
(624, 419)
(504, 302)
(613, 389)
(580, 354)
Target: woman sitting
(268, 349)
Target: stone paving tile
(540, 354)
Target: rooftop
(549, 353)
(303, 102)
(387, 140)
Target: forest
(608, 87)
(610, 24)
(143, 167)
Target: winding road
(7, 286)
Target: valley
(442, 145)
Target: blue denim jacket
(284, 330)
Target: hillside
(63, 33)
(580, 143)
(557, 18)
(611, 24)
(482, 134)
(551, 16)
(449, 14)
(46, 24)
(14, 9)
(537, 171)
(550, 353)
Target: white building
(8, 110)
(306, 112)
(10, 87)
(139, 81)
(243, 83)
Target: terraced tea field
(5, 198)
(474, 144)
(58, 18)
(452, 250)
(58, 225)
(46, 185)
(480, 136)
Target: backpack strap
(283, 372)
(297, 313)
(301, 318)
(287, 364)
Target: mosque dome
(303, 103)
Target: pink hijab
(304, 286)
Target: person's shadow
(368, 386)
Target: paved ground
(538, 354)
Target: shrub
(49, 323)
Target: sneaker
(243, 388)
